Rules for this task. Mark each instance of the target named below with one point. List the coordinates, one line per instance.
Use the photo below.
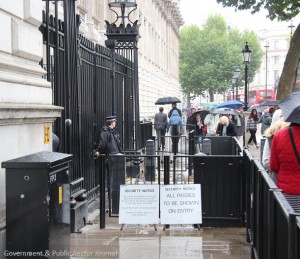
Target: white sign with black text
(139, 204)
(180, 204)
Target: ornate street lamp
(119, 3)
(246, 55)
(122, 4)
(122, 38)
(266, 87)
(235, 78)
(233, 83)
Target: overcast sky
(197, 11)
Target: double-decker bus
(258, 96)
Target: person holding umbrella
(285, 149)
(198, 131)
(189, 121)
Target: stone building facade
(160, 21)
(26, 110)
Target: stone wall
(25, 97)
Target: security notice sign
(180, 204)
(139, 204)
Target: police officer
(110, 145)
(109, 138)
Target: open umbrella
(290, 107)
(232, 104)
(257, 107)
(167, 100)
(225, 111)
(210, 105)
(202, 113)
(270, 103)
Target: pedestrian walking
(175, 126)
(285, 159)
(160, 125)
(240, 126)
(252, 127)
(277, 124)
(266, 120)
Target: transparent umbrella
(290, 107)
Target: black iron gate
(90, 82)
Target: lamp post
(118, 36)
(246, 55)
(236, 76)
(266, 87)
(233, 83)
(291, 26)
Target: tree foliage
(209, 55)
(282, 11)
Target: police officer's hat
(111, 118)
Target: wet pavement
(143, 241)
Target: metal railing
(272, 218)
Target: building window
(276, 59)
(276, 74)
(276, 44)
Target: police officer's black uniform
(110, 145)
(109, 141)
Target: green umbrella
(209, 105)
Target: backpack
(175, 119)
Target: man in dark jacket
(175, 130)
(266, 120)
(160, 124)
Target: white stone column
(26, 109)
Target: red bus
(258, 96)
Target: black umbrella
(202, 113)
(167, 100)
(290, 107)
(257, 107)
(270, 103)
